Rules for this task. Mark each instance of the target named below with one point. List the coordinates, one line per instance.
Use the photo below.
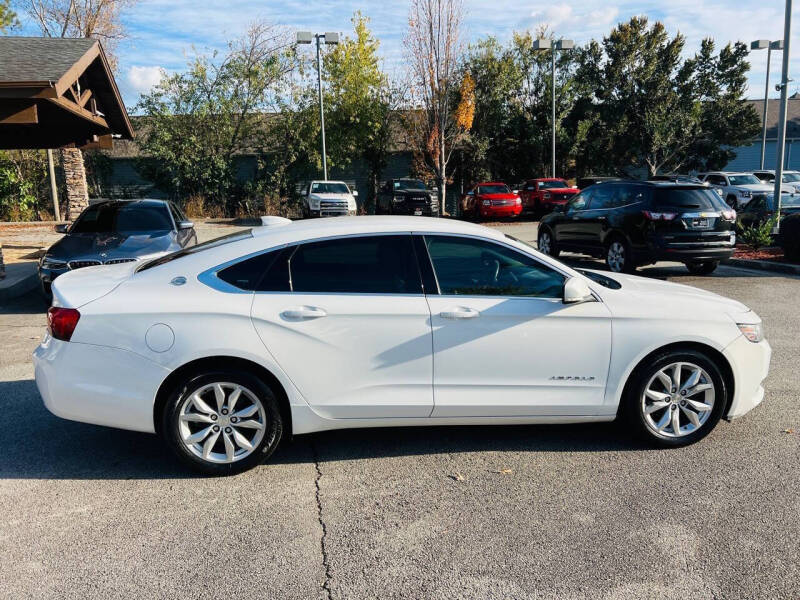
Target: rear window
(225, 239)
(688, 198)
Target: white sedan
(226, 347)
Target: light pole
(783, 86)
(329, 37)
(770, 46)
(545, 44)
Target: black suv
(632, 223)
(407, 197)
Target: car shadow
(47, 447)
(31, 303)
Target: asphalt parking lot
(485, 512)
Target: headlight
(487, 202)
(52, 263)
(744, 193)
(751, 331)
(398, 199)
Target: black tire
(632, 410)
(271, 420)
(732, 202)
(618, 256)
(47, 292)
(705, 267)
(553, 249)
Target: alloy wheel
(678, 400)
(545, 243)
(222, 422)
(616, 257)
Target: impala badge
(570, 378)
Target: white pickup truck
(737, 188)
(329, 199)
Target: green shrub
(758, 235)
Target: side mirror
(62, 228)
(355, 193)
(185, 224)
(576, 291)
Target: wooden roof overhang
(56, 93)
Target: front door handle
(460, 312)
(303, 312)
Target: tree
(434, 48)
(8, 18)
(197, 122)
(360, 103)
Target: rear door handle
(460, 312)
(303, 312)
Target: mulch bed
(768, 254)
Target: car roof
(136, 201)
(335, 226)
(491, 183)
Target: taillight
(729, 215)
(61, 322)
(659, 216)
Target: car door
(504, 343)
(351, 326)
(568, 230)
(594, 219)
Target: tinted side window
(381, 264)
(631, 194)
(579, 201)
(603, 197)
(248, 274)
(466, 266)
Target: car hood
(756, 187)
(341, 197)
(569, 191)
(498, 196)
(677, 300)
(105, 246)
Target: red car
(491, 199)
(540, 196)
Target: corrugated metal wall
(748, 158)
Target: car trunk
(77, 288)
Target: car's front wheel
(546, 243)
(675, 399)
(223, 422)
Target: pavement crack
(326, 585)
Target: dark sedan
(116, 232)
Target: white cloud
(603, 16)
(553, 15)
(141, 79)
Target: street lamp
(545, 44)
(329, 37)
(784, 88)
(770, 46)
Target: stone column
(75, 178)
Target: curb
(21, 286)
(763, 265)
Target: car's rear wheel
(618, 256)
(675, 399)
(223, 422)
(547, 244)
(705, 267)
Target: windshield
(549, 185)
(743, 179)
(328, 187)
(689, 198)
(494, 189)
(409, 184)
(791, 177)
(225, 239)
(123, 217)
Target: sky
(164, 34)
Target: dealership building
(748, 158)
